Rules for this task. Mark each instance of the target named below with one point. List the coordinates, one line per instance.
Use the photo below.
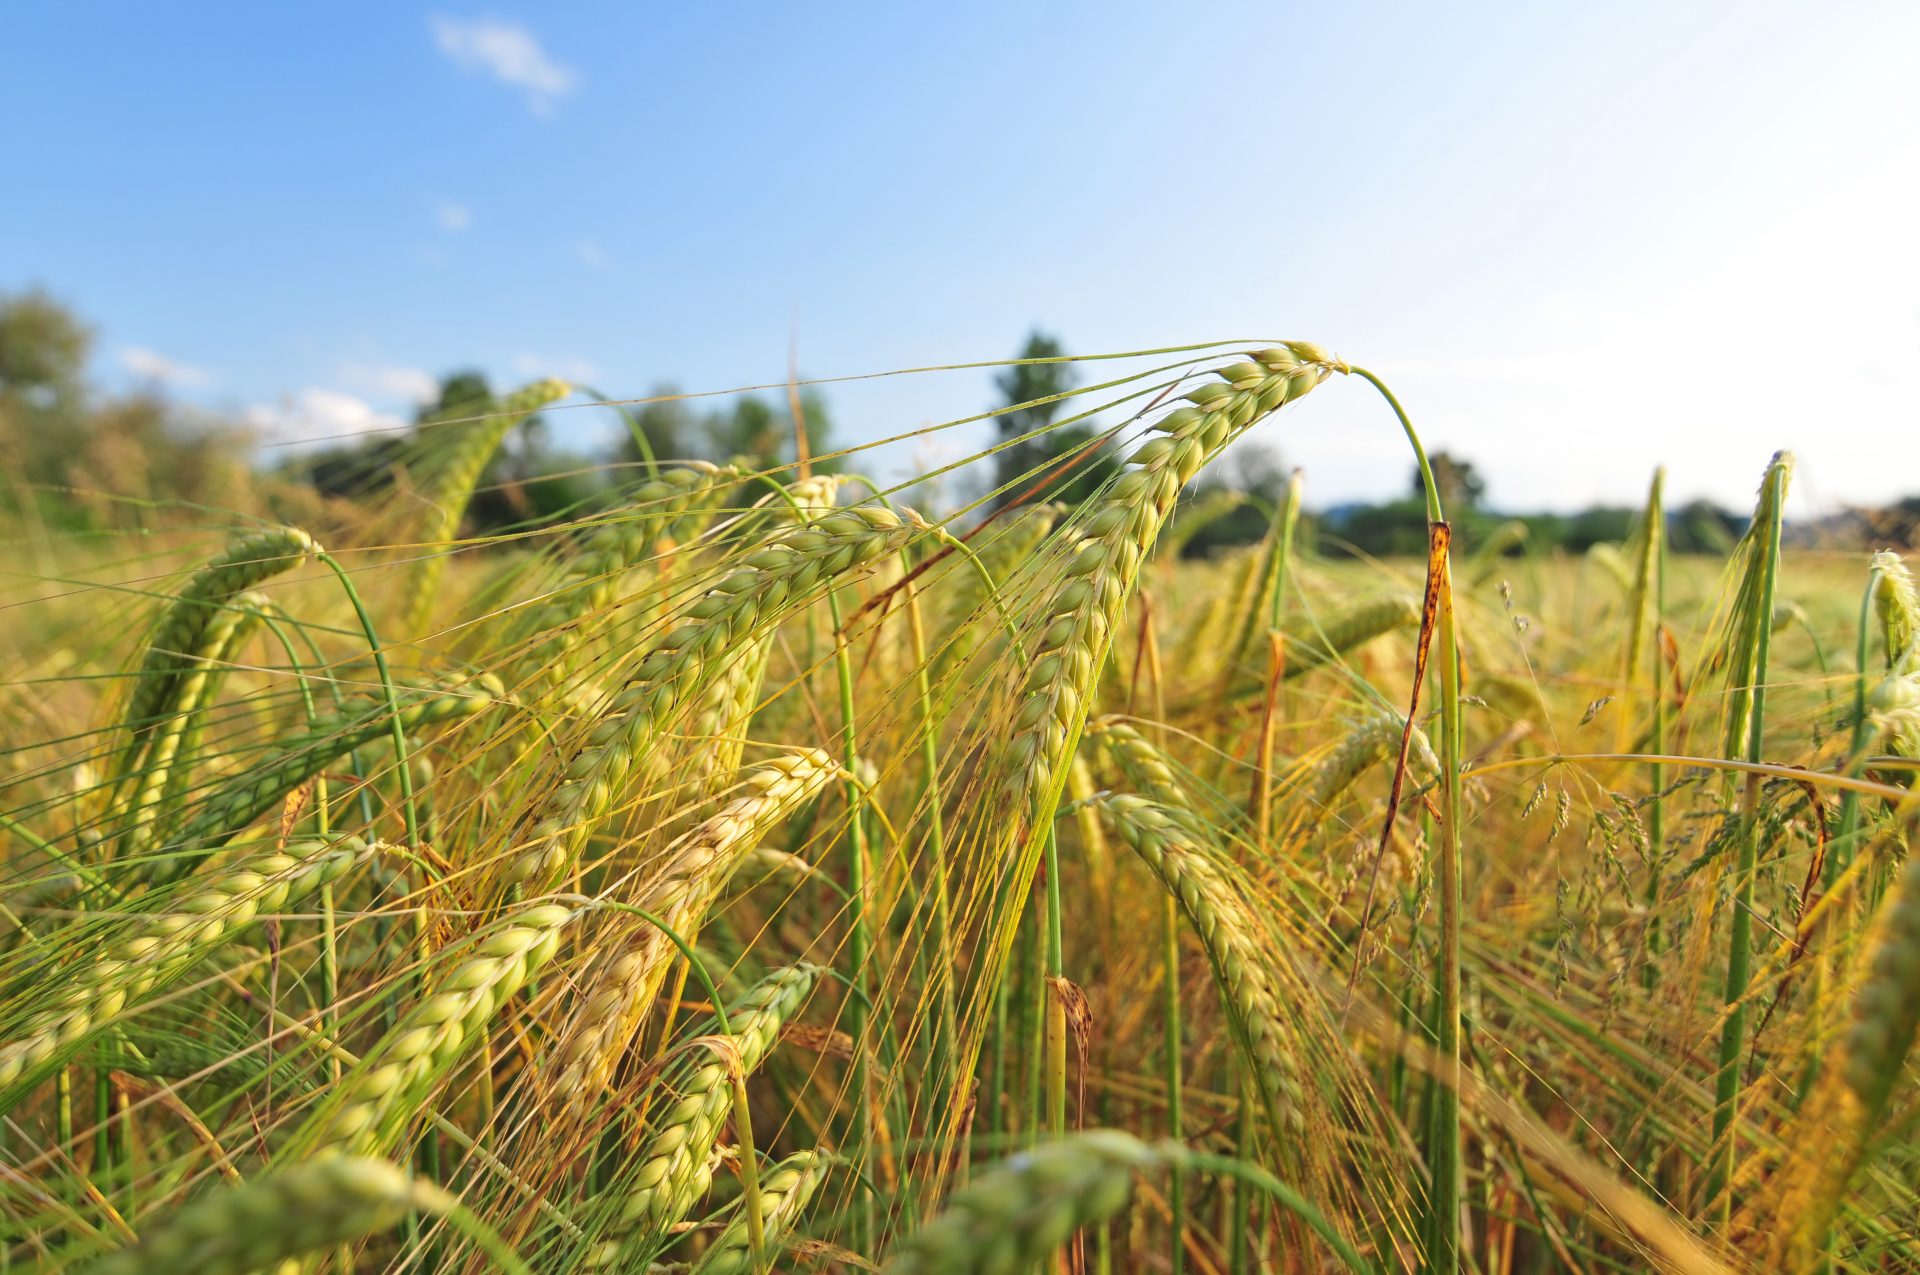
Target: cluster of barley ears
(755, 872)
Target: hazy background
(1579, 239)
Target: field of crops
(761, 874)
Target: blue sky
(1579, 239)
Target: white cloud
(453, 217)
(590, 254)
(508, 52)
(316, 415)
(565, 366)
(151, 366)
(392, 384)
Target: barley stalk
(1751, 640)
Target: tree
(463, 393)
(43, 350)
(747, 429)
(1252, 467)
(43, 359)
(80, 452)
(1030, 391)
(1460, 485)
(666, 423)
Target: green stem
(433, 1199)
(1176, 1187)
(1282, 1194)
(632, 422)
(1443, 1152)
(1056, 1008)
(402, 757)
(1657, 773)
(742, 1117)
(945, 1028)
(1733, 1036)
(859, 941)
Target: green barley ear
(1310, 643)
(1752, 617)
(1896, 605)
(458, 455)
(1849, 1109)
(1080, 613)
(785, 1190)
(1017, 1215)
(288, 1214)
(721, 714)
(160, 949)
(1893, 709)
(675, 1166)
(1169, 843)
(668, 508)
(372, 1104)
(182, 629)
(174, 748)
(1145, 768)
(1886, 1011)
(1308, 648)
(618, 989)
(737, 612)
(237, 802)
(1322, 776)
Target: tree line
(77, 457)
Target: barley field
(762, 873)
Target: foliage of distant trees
(1067, 462)
(75, 457)
(744, 428)
(72, 457)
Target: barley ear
(1015, 1216)
(182, 628)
